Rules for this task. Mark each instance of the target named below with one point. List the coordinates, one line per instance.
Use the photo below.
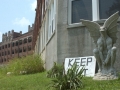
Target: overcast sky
(16, 15)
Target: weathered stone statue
(104, 38)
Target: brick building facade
(40, 12)
(16, 44)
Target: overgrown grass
(55, 70)
(39, 81)
(24, 65)
(25, 82)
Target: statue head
(103, 31)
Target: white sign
(89, 63)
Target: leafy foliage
(25, 65)
(69, 81)
(55, 71)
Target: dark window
(12, 51)
(20, 50)
(5, 46)
(24, 49)
(0, 48)
(29, 39)
(16, 43)
(108, 7)
(13, 44)
(5, 59)
(25, 40)
(20, 42)
(81, 9)
(9, 45)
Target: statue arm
(109, 47)
(100, 52)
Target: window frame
(95, 11)
(20, 42)
(16, 43)
(29, 40)
(51, 17)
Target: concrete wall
(62, 33)
(117, 62)
(43, 56)
(71, 42)
(74, 40)
(51, 52)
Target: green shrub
(118, 75)
(69, 81)
(55, 70)
(3, 70)
(25, 65)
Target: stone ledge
(104, 77)
(73, 25)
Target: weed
(55, 70)
(24, 65)
(69, 81)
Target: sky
(16, 15)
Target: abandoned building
(59, 34)
(16, 44)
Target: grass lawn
(90, 84)
(40, 82)
(25, 82)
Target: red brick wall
(14, 50)
(38, 19)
